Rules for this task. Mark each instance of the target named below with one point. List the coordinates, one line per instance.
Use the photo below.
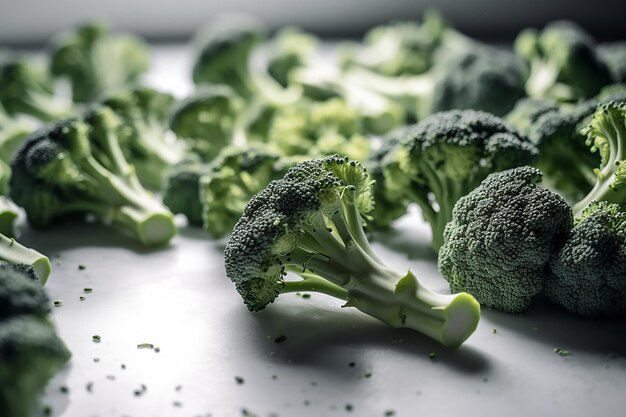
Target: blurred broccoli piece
(97, 61)
(587, 272)
(207, 121)
(77, 167)
(182, 188)
(20, 294)
(447, 155)
(398, 48)
(28, 89)
(501, 237)
(145, 138)
(291, 48)
(318, 129)
(614, 56)
(234, 178)
(613, 92)
(563, 62)
(13, 253)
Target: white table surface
(179, 299)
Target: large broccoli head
(500, 239)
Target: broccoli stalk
(8, 215)
(310, 223)
(78, 167)
(14, 253)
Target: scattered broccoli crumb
(280, 339)
(87, 290)
(47, 410)
(89, 387)
(352, 364)
(177, 404)
(390, 413)
(96, 359)
(123, 366)
(349, 407)
(58, 303)
(177, 388)
(562, 352)
(274, 376)
(111, 377)
(306, 295)
(494, 331)
(96, 338)
(307, 402)
(367, 375)
(81, 298)
(239, 380)
(82, 267)
(432, 355)
(157, 349)
(145, 346)
(64, 389)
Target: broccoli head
(614, 56)
(563, 63)
(77, 167)
(207, 121)
(587, 274)
(145, 138)
(291, 48)
(310, 223)
(182, 188)
(447, 155)
(20, 294)
(28, 89)
(500, 238)
(97, 61)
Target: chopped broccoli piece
(447, 155)
(28, 89)
(563, 63)
(24, 259)
(146, 140)
(207, 120)
(8, 214)
(77, 167)
(587, 272)
(97, 61)
(234, 178)
(501, 237)
(182, 188)
(20, 294)
(614, 56)
(310, 223)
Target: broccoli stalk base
(14, 253)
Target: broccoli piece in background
(28, 89)
(208, 120)
(562, 61)
(77, 167)
(501, 237)
(289, 49)
(318, 129)
(614, 56)
(310, 223)
(182, 188)
(146, 140)
(587, 274)
(20, 294)
(13, 253)
(447, 155)
(97, 61)
(234, 178)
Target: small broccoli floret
(234, 178)
(28, 89)
(77, 167)
(30, 351)
(146, 140)
(223, 53)
(13, 253)
(182, 188)
(500, 239)
(398, 48)
(587, 274)
(97, 61)
(291, 48)
(606, 134)
(446, 156)
(310, 223)
(207, 121)
(318, 129)
(563, 62)
(614, 56)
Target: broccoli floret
(28, 89)
(587, 272)
(446, 156)
(223, 53)
(23, 258)
(291, 48)
(97, 61)
(77, 167)
(146, 140)
(207, 121)
(500, 239)
(182, 188)
(20, 294)
(563, 63)
(606, 134)
(310, 223)
(318, 129)
(398, 48)
(614, 56)
(234, 177)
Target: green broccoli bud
(97, 61)
(501, 237)
(77, 167)
(310, 224)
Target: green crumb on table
(81, 298)
(145, 346)
(280, 339)
(274, 376)
(58, 303)
(494, 331)
(123, 366)
(390, 413)
(352, 364)
(177, 404)
(89, 386)
(87, 290)
(96, 338)
(432, 355)
(562, 352)
(96, 360)
(82, 267)
(157, 349)
(349, 407)
(367, 375)
(177, 388)
(64, 389)
(306, 295)
(239, 380)
(46, 410)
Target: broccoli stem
(13, 252)
(45, 107)
(7, 217)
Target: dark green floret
(310, 224)
(77, 167)
(501, 237)
(21, 294)
(181, 193)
